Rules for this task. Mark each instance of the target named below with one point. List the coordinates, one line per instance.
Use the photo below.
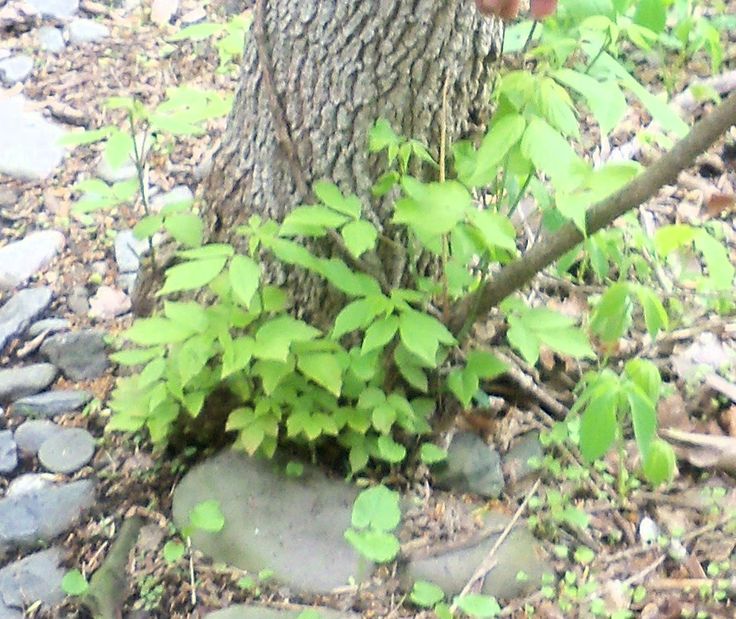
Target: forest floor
(675, 546)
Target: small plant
(608, 401)
(375, 514)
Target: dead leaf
(720, 204)
(704, 450)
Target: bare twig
(517, 274)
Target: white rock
(16, 68)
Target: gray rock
(127, 281)
(38, 516)
(80, 355)
(35, 578)
(60, 9)
(50, 325)
(29, 482)
(67, 451)
(51, 403)
(77, 301)
(252, 611)
(471, 466)
(519, 553)
(115, 175)
(9, 613)
(8, 452)
(292, 526)
(31, 434)
(523, 459)
(87, 31)
(178, 195)
(22, 259)
(128, 251)
(51, 39)
(29, 144)
(21, 309)
(8, 197)
(15, 69)
(22, 381)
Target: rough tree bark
(315, 77)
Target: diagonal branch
(517, 274)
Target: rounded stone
(68, 451)
(31, 434)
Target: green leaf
(557, 108)
(324, 369)
(311, 221)
(612, 316)
(659, 463)
(485, 365)
(187, 313)
(552, 154)
(463, 384)
(359, 236)
(376, 508)
(197, 32)
(523, 339)
(410, 368)
(598, 426)
(148, 226)
(643, 417)
(275, 336)
(669, 238)
(499, 139)
(716, 257)
(422, 334)
(495, 230)
(389, 450)
(376, 546)
(332, 197)
(570, 341)
(477, 605)
(646, 375)
(74, 583)
(118, 149)
(605, 99)
(380, 333)
(191, 275)
(383, 418)
(655, 315)
(358, 315)
(79, 138)
(153, 331)
(206, 252)
(382, 136)
(345, 279)
(136, 356)
(245, 276)
(207, 516)
(186, 228)
(173, 551)
(584, 555)
(426, 594)
(651, 14)
(431, 453)
(432, 209)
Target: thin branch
(517, 274)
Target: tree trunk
(317, 74)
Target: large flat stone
(20, 310)
(29, 144)
(38, 516)
(293, 526)
(26, 380)
(51, 403)
(22, 259)
(519, 553)
(250, 611)
(80, 355)
(35, 578)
